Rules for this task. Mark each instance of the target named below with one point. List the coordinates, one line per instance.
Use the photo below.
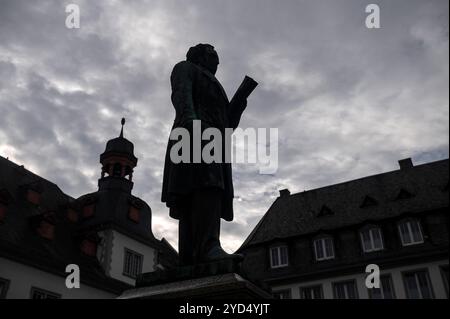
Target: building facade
(319, 243)
(107, 234)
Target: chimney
(284, 192)
(405, 163)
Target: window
(410, 232)
(88, 210)
(89, 247)
(133, 214)
(33, 196)
(386, 290)
(404, 194)
(418, 285)
(37, 293)
(371, 239)
(117, 170)
(368, 202)
(444, 272)
(345, 290)
(323, 248)
(282, 294)
(325, 211)
(132, 263)
(312, 292)
(278, 256)
(72, 215)
(4, 285)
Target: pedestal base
(225, 286)
(181, 273)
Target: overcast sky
(348, 101)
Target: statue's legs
(199, 228)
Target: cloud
(348, 101)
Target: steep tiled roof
(408, 190)
(19, 240)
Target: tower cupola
(118, 160)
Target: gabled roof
(297, 214)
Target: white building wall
(104, 250)
(433, 268)
(119, 243)
(23, 277)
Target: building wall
(104, 250)
(22, 278)
(119, 243)
(348, 249)
(434, 271)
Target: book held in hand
(243, 92)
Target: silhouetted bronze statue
(199, 194)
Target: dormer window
(410, 232)
(134, 214)
(89, 244)
(325, 211)
(72, 215)
(33, 196)
(371, 239)
(88, 210)
(404, 194)
(45, 225)
(279, 256)
(134, 210)
(368, 201)
(324, 248)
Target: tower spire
(123, 123)
(118, 161)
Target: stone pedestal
(224, 286)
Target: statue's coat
(198, 95)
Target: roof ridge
(37, 177)
(366, 177)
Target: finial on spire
(123, 123)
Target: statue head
(205, 56)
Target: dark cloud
(348, 101)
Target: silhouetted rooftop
(412, 189)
